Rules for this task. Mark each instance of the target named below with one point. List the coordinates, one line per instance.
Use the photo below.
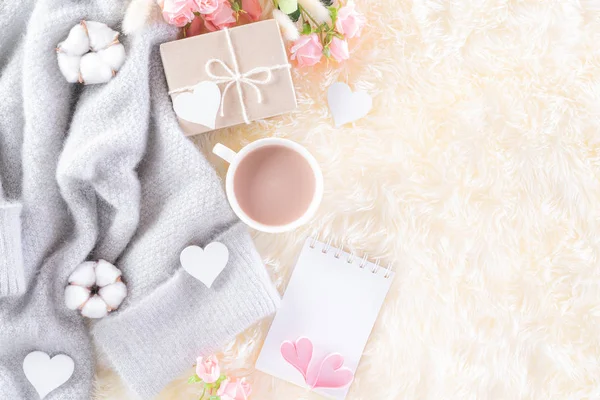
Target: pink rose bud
(349, 21)
(195, 27)
(307, 50)
(208, 369)
(206, 6)
(339, 49)
(178, 12)
(239, 390)
(222, 17)
(252, 8)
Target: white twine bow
(234, 76)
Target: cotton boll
(101, 36)
(318, 11)
(114, 294)
(286, 25)
(93, 70)
(91, 53)
(113, 56)
(106, 273)
(69, 66)
(77, 42)
(84, 274)
(95, 308)
(76, 296)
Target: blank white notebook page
(330, 301)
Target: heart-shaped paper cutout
(298, 354)
(201, 105)
(205, 265)
(347, 106)
(330, 374)
(45, 373)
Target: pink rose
(207, 6)
(339, 49)
(252, 8)
(307, 50)
(239, 390)
(178, 12)
(349, 21)
(195, 28)
(222, 17)
(208, 369)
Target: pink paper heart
(298, 354)
(330, 374)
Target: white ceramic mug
(234, 160)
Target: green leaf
(333, 11)
(214, 398)
(194, 379)
(295, 16)
(327, 52)
(288, 6)
(306, 29)
(221, 379)
(236, 6)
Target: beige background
(478, 172)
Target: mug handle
(224, 152)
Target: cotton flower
(239, 390)
(90, 54)
(179, 12)
(208, 369)
(222, 17)
(317, 10)
(307, 50)
(349, 21)
(95, 288)
(338, 49)
(206, 6)
(288, 28)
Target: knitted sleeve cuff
(12, 281)
(148, 353)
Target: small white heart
(346, 106)
(205, 265)
(45, 373)
(201, 105)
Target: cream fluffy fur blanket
(478, 174)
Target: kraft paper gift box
(249, 66)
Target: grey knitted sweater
(103, 172)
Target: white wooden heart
(199, 106)
(205, 265)
(347, 106)
(45, 373)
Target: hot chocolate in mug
(273, 185)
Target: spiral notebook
(327, 313)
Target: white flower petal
(75, 296)
(84, 274)
(106, 273)
(95, 308)
(76, 43)
(94, 70)
(113, 55)
(101, 36)
(114, 294)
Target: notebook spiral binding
(352, 257)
